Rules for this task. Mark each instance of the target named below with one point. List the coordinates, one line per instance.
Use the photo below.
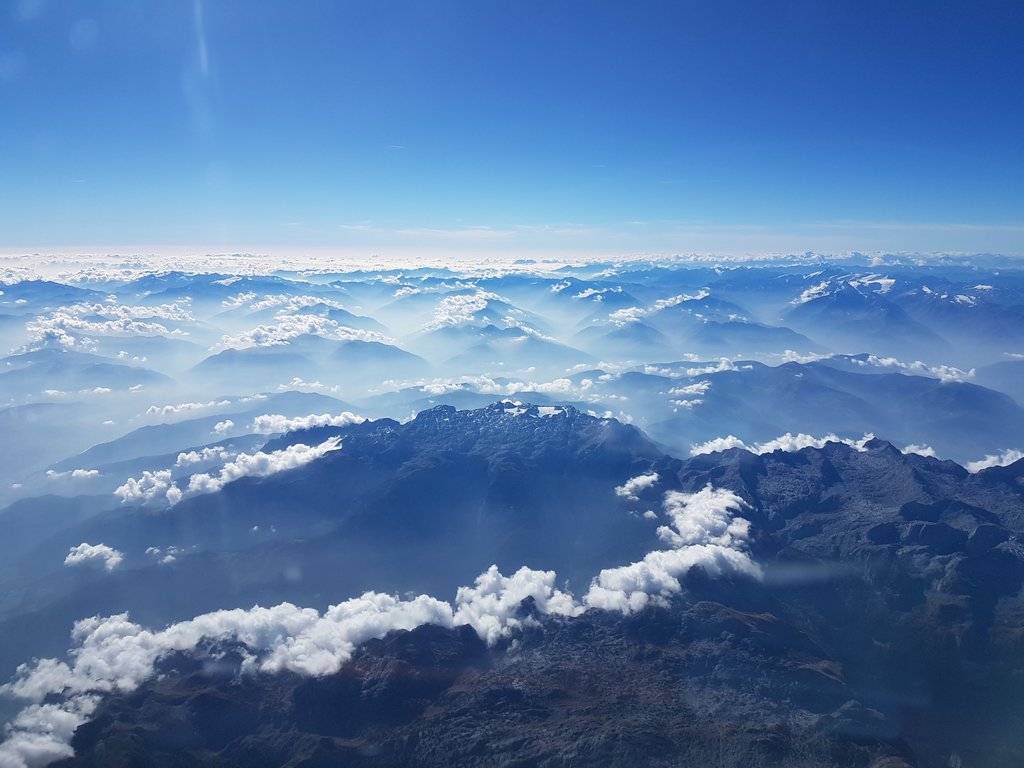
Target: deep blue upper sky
(554, 125)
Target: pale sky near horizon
(572, 127)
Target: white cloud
(152, 488)
(260, 464)
(170, 410)
(491, 606)
(792, 443)
(273, 423)
(41, 733)
(920, 450)
(165, 556)
(718, 444)
(75, 474)
(627, 315)
(217, 453)
(223, 427)
(288, 327)
(85, 554)
(792, 356)
(1003, 459)
(787, 442)
(298, 383)
(944, 373)
(460, 308)
(285, 302)
(704, 532)
(724, 364)
(682, 298)
(114, 653)
(632, 487)
(697, 388)
(689, 404)
(157, 488)
(68, 325)
(621, 317)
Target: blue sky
(555, 126)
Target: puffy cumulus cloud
(705, 532)
(172, 410)
(153, 488)
(791, 443)
(944, 373)
(628, 315)
(284, 302)
(62, 393)
(792, 356)
(218, 453)
(596, 294)
(113, 653)
(75, 474)
(41, 733)
(562, 387)
(920, 450)
(635, 485)
(492, 606)
(300, 384)
(682, 298)
(719, 444)
(621, 317)
(223, 427)
(163, 556)
(461, 309)
(273, 423)
(239, 300)
(723, 364)
(260, 464)
(158, 488)
(94, 554)
(787, 442)
(688, 404)
(287, 327)
(697, 388)
(68, 326)
(1003, 459)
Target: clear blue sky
(514, 124)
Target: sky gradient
(543, 127)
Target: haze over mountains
(629, 474)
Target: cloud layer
(705, 532)
(158, 488)
(787, 442)
(114, 653)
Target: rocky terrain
(887, 630)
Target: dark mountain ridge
(888, 628)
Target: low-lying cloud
(787, 442)
(289, 327)
(159, 488)
(94, 554)
(116, 654)
(705, 532)
(1003, 459)
(274, 423)
(635, 485)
